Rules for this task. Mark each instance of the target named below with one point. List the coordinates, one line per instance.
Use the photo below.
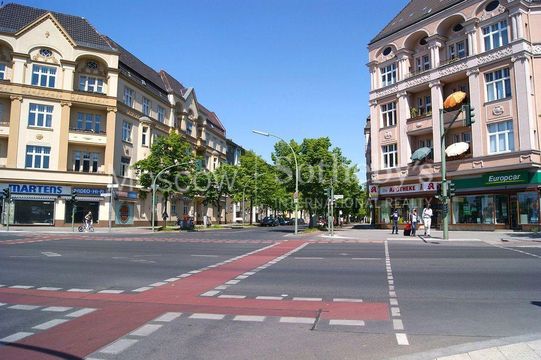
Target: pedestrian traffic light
(73, 196)
(6, 193)
(450, 189)
(469, 112)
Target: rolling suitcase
(407, 230)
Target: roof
(134, 68)
(213, 118)
(15, 17)
(172, 84)
(415, 11)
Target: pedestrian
(414, 218)
(88, 220)
(395, 222)
(427, 219)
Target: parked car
(300, 221)
(282, 221)
(269, 221)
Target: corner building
(492, 51)
(77, 110)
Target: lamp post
(296, 195)
(154, 185)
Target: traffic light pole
(73, 206)
(444, 199)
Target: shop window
(528, 205)
(501, 203)
(473, 209)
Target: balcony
(87, 137)
(4, 128)
(420, 124)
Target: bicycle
(86, 228)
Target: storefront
(88, 200)
(404, 198)
(125, 207)
(34, 204)
(499, 200)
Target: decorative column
(64, 136)
(20, 68)
(403, 57)
(373, 68)
(477, 135)
(68, 69)
(404, 146)
(525, 119)
(436, 88)
(375, 123)
(109, 159)
(470, 28)
(517, 26)
(434, 45)
(14, 124)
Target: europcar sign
(506, 178)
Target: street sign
(338, 197)
(112, 186)
(106, 194)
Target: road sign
(106, 194)
(338, 197)
(112, 186)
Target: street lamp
(153, 186)
(296, 195)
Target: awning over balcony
(421, 153)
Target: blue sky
(292, 67)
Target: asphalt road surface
(258, 293)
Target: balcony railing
(88, 131)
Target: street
(261, 293)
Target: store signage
(87, 191)
(373, 191)
(404, 189)
(38, 189)
(127, 194)
(506, 178)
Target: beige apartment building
(492, 51)
(77, 110)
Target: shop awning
(456, 149)
(34, 197)
(421, 153)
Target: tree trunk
(218, 206)
(251, 209)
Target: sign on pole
(338, 197)
(112, 186)
(106, 194)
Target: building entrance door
(513, 216)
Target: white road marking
(397, 324)
(393, 301)
(347, 300)
(194, 272)
(211, 293)
(50, 254)
(2, 304)
(1, 285)
(307, 299)
(141, 289)
(80, 290)
(110, 291)
(184, 275)
(241, 277)
(391, 282)
(159, 283)
(168, 317)
(391, 287)
(221, 287)
(347, 322)
(268, 297)
(172, 279)
(57, 308)
(16, 337)
(118, 346)
(232, 282)
(23, 307)
(207, 316)
(402, 339)
(50, 324)
(307, 258)
(146, 330)
(356, 258)
(210, 256)
(46, 288)
(392, 294)
(249, 273)
(249, 318)
(232, 296)
(297, 320)
(21, 287)
(519, 251)
(81, 312)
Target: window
(498, 84)
(84, 161)
(500, 137)
(388, 74)
(43, 75)
(91, 84)
(424, 105)
(2, 71)
(390, 156)
(528, 203)
(457, 50)
(422, 63)
(189, 127)
(144, 136)
(495, 35)
(126, 131)
(124, 165)
(146, 106)
(466, 137)
(388, 114)
(37, 157)
(425, 143)
(40, 115)
(475, 209)
(161, 114)
(129, 96)
(88, 122)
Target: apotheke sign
(411, 188)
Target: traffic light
(328, 193)
(6, 193)
(451, 189)
(73, 196)
(469, 112)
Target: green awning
(421, 153)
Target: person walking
(395, 222)
(414, 218)
(427, 219)
(88, 220)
